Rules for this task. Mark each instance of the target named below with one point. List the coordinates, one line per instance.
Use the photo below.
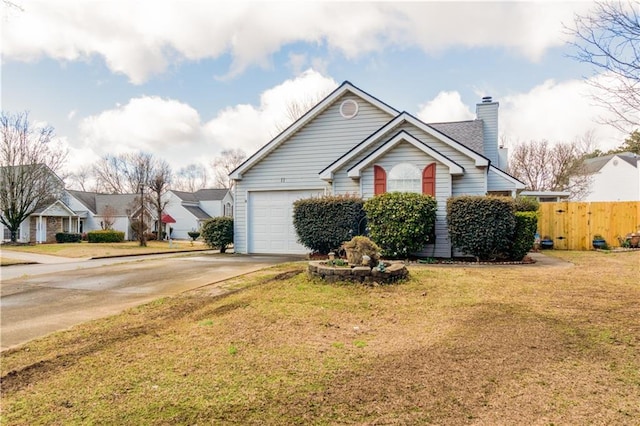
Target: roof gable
(404, 117)
(594, 165)
(506, 176)
(57, 208)
(88, 199)
(345, 87)
(403, 136)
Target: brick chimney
(487, 111)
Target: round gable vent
(349, 108)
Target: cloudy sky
(185, 80)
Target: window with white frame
(404, 177)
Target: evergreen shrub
(105, 236)
(401, 223)
(324, 223)
(218, 232)
(68, 237)
(524, 235)
(481, 226)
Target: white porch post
(39, 230)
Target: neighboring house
(52, 213)
(95, 211)
(191, 209)
(351, 142)
(43, 224)
(614, 177)
(547, 196)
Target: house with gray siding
(352, 142)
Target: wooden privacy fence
(572, 225)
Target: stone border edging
(394, 271)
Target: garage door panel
(270, 221)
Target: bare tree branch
(609, 39)
(224, 164)
(191, 178)
(553, 167)
(29, 160)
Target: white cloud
(446, 106)
(173, 130)
(558, 112)
(150, 124)
(555, 111)
(142, 38)
(249, 127)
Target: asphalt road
(36, 300)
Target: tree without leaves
(82, 179)
(609, 39)
(553, 167)
(29, 162)
(108, 218)
(224, 164)
(297, 108)
(191, 178)
(159, 182)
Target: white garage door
(271, 221)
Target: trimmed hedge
(105, 236)
(526, 204)
(68, 237)
(401, 223)
(218, 232)
(481, 226)
(324, 223)
(524, 235)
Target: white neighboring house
(614, 177)
(351, 142)
(191, 209)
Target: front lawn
(452, 345)
(85, 249)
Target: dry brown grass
(452, 345)
(6, 261)
(85, 250)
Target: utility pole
(143, 242)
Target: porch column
(39, 230)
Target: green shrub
(105, 236)
(481, 226)
(68, 237)
(401, 223)
(524, 235)
(218, 232)
(526, 204)
(193, 235)
(324, 223)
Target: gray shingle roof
(593, 165)
(123, 204)
(86, 198)
(468, 133)
(197, 212)
(211, 194)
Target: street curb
(150, 254)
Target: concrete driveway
(36, 300)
